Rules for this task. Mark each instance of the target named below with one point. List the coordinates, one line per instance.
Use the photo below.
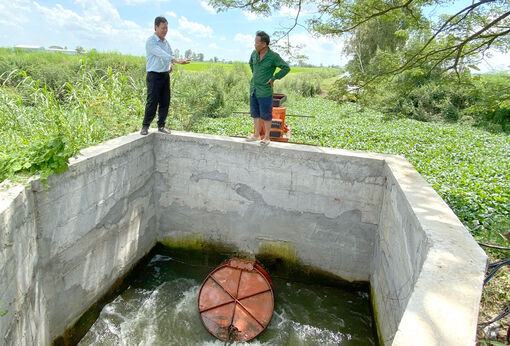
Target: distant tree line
(189, 54)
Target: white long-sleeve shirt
(159, 54)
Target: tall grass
(52, 105)
(48, 115)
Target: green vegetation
(387, 38)
(49, 113)
(200, 66)
(3, 312)
(468, 167)
(480, 100)
(52, 106)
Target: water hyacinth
(47, 114)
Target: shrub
(303, 84)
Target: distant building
(52, 49)
(61, 50)
(28, 47)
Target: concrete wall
(428, 272)
(65, 244)
(18, 265)
(324, 203)
(361, 216)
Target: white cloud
(495, 61)
(286, 11)
(15, 14)
(213, 45)
(97, 9)
(172, 35)
(194, 28)
(246, 40)
(139, 2)
(96, 24)
(170, 14)
(320, 49)
(253, 16)
(207, 7)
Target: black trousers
(158, 93)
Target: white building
(42, 49)
(28, 47)
(57, 50)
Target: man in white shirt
(159, 62)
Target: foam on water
(160, 308)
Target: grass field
(201, 66)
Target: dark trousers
(158, 93)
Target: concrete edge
(280, 145)
(8, 193)
(94, 155)
(443, 308)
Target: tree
(188, 54)
(449, 42)
(80, 50)
(365, 41)
(200, 57)
(177, 53)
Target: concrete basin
(360, 216)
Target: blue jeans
(261, 107)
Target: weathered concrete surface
(361, 216)
(326, 203)
(64, 245)
(428, 271)
(18, 262)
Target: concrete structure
(61, 50)
(42, 49)
(28, 48)
(357, 215)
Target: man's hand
(184, 61)
(271, 81)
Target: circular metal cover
(236, 301)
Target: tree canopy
(406, 28)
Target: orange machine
(280, 131)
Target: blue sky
(124, 25)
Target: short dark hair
(160, 20)
(263, 37)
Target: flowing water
(159, 307)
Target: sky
(124, 25)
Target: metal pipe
(287, 115)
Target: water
(159, 307)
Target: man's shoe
(265, 141)
(252, 138)
(145, 131)
(164, 130)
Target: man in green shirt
(263, 63)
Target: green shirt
(264, 70)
